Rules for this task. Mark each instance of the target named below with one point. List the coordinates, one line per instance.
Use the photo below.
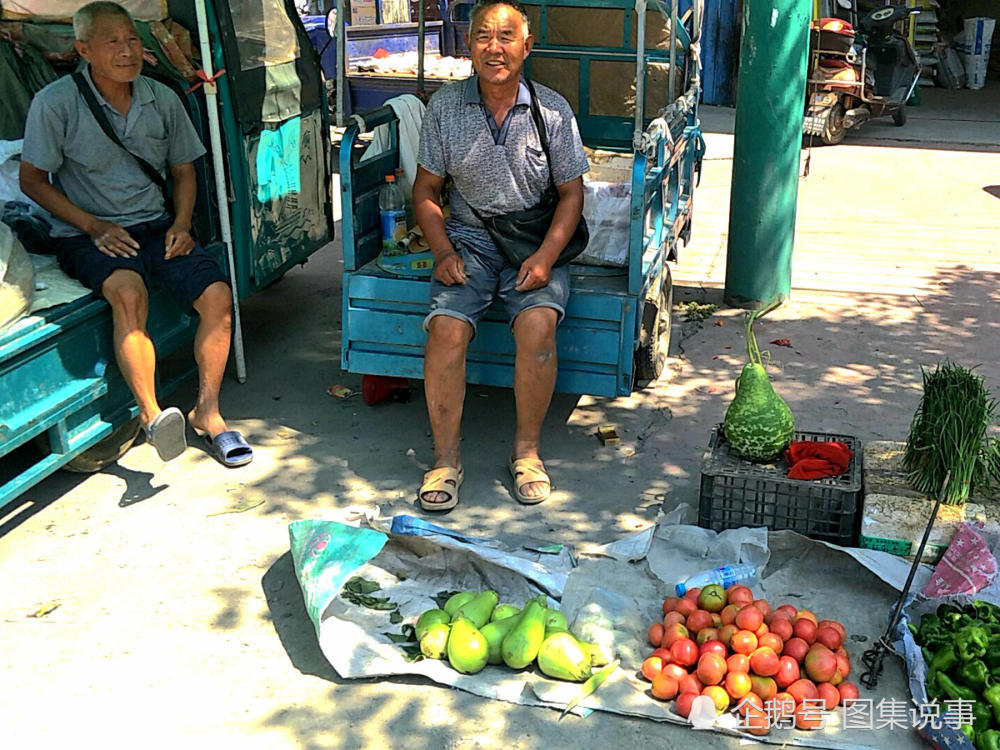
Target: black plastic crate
(736, 492)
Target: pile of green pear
(474, 630)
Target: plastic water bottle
(392, 211)
(411, 216)
(726, 576)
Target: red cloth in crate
(811, 459)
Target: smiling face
(113, 49)
(499, 42)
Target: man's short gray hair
(84, 19)
(482, 5)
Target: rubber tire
(654, 334)
(833, 128)
(899, 116)
(101, 454)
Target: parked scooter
(857, 77)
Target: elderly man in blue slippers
(97, 146)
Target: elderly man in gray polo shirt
(480, 132)
(112, 227)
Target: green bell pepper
(969, 732)
(971, 643)
(985, 611)
(981, 717)
(992, 657)
(960, 692)
(974, 674)
(944, 660)
(988, 740)
(992, 696)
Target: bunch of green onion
(949, 433)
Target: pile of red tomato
(776, 666)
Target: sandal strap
(442, 479)
(528, 470)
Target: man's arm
(178, 237)
(537, 268)
(110, 239)
(449, 268)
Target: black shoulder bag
(519, 234)
(151, 172)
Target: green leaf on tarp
(395, 618)
(412, 653)
(410, 632)
(359, 585)
(442, 597)
(398, 637)
(382, 603)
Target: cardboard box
(363, 13)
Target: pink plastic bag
(967, 565)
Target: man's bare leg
(535, 368)
(211, 352)
(126, 292)
(444, 388)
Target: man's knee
(535, 332)
(126, 292)
(448, 332)
(215, 303)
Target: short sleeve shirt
(62, 137)
(498, 170)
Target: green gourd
(561, 657)
(467, 647)
(457, 600)
(503, 611)
(494, 632)
(521, 645)
(478, 609)
(758, 423)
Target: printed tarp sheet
(609, 594)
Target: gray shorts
(489, 275)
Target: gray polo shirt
(62, 137)
(503, 169)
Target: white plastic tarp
(610, 594)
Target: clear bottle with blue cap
(726, 576)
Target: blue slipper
(229, 448)
(166, 433)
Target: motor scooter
(855, 77)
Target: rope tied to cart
(205, 78)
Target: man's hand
(178, 241)
(112, 239)
(533, 274)
(450, 269)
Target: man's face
(113, 50)
(499, 44)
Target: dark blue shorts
(185, 277)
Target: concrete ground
(179, 618)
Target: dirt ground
(179, 619)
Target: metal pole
(420, 44)
(768, 140)
(221, 190)
(640, 88)
(341, 66)
(671, 89)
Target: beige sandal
(525, 471)
(445, 479)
